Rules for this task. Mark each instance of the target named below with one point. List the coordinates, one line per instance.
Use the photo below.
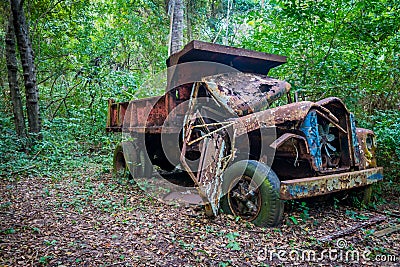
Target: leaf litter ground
(89, 219)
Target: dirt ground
(89, 219)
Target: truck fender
(285, 137)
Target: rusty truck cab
(296, 150)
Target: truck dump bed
(243, 60)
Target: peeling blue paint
(376, 176)
(297, 190)
(357, 153)
(310, 129)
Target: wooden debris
(390, 213)
(352, 229)
(387, 231)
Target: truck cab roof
(243, 60)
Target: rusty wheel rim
(244, 198)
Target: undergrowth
(386, 125)
(67, 144)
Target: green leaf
(294, 220)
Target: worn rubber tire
(271, 210)
(120, 168)
(142, 168)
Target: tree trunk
(177, 26)
(12, 68)
(28, 65)
(188, 21)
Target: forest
(62, 60)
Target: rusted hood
(245, 93)
(292, 114)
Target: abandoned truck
(217, 123)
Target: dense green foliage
(348, 49)
(334, 48)
(66, 147)
(386, 125)
(89, 51)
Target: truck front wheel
(252, 193)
